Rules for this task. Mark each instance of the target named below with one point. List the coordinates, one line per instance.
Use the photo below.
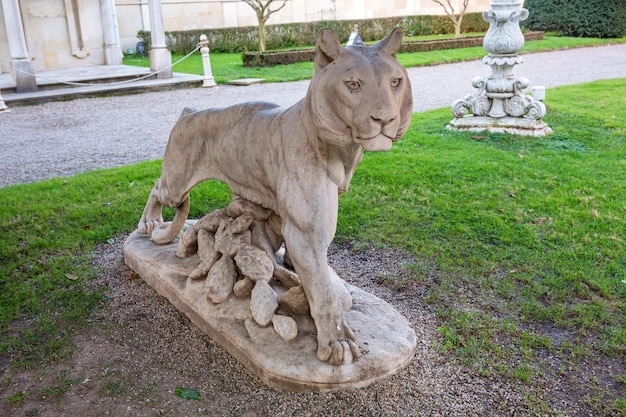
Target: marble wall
(58, 34)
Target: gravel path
(65, 138)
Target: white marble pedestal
(386, 338)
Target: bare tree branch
(457, 18)
(263, 12)
(263, 8)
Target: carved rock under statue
(254, 276)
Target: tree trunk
(457, 27)
(261, 36)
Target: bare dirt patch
(140, 349)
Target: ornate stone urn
(499, 103)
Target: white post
(160, 56)
(21, 66)
(3, 106)
(209, 81)
(539, 92)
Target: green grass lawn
(515, 238)
(227, 67)
(533, 228)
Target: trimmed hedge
(423, 46)
(297, 35)
(579, 18)
(268, 59)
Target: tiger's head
(360, 94)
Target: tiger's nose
(383, 119)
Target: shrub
(302, 34)
(580, 18)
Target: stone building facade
(37, 35)
(50, 34)
(201, 14)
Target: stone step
(88, 81)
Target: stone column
(160, 56)
(21, 66)
(112, 49)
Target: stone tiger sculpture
(295, 162)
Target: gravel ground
(64, 138)
(140, 349)
(143, 348)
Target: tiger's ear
(391, 43)
(327, 48)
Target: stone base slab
(161, 60)
(512, 125)
(24, 76)
(245, 81)
(386, 338)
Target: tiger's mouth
(378, 143)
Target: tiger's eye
(353, 85)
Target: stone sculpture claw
(339, 349)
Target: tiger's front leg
(152, 216)
(308, 234)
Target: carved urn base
(280, 357)
(499, 103)
(524, 126)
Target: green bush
(296, 35)
(580, 18)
